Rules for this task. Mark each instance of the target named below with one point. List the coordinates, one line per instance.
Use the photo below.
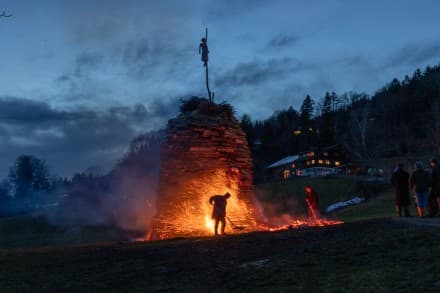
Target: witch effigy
(203, 49)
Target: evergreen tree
(247, 127)
(326, 104)
(28, 174)
(306, 113)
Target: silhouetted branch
(5, 15)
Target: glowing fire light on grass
(191, 217)
(190, 214)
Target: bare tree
(359, 124)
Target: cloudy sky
(79, 79)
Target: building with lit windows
(323, 162)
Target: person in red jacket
(312, 202)
(219, 210)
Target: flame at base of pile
(191, 211)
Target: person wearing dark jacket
(420, 181)
(435, 187)
(400, 182)
(219, 210)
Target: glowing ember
(192, 217)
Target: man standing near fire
(219, 210)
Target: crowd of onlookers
(425, 185)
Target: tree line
(402, 118)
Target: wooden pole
(207, 83)
(211, 97)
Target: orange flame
(191, 214)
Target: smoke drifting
(123, 198)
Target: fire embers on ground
(205, 153)
(288, 222)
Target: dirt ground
(375, 255)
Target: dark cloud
(355, 61)
(258, 71)
(80, 83)
(87, 61)
(24, 111)
(283, 41)
(414, 55)
(145, 57)
(234, 8)
(76, 138)
(108, 24)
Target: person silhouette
(219, 211)
(203, 49)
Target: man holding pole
(219, 210)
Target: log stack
(205, 153)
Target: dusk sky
(79, 79)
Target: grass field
(329, 189)
(370, 252)
(35, 231)
(374, 255)
(290, 195)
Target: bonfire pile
(205, 153)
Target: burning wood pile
(205, 153)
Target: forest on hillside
(402, 118)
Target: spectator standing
(400, 182)
(420, 181)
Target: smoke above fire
(124, 198)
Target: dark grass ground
(371, 252)
(373, 255)
(291, 192)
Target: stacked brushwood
(205, 141)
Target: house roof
(284, 161)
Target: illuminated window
(286, 174)
(293, 166)
(297, 132)
(308, 163)
(313, 162)
(337, 163)
(327, 162)
(320, 162)
(312, 154)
